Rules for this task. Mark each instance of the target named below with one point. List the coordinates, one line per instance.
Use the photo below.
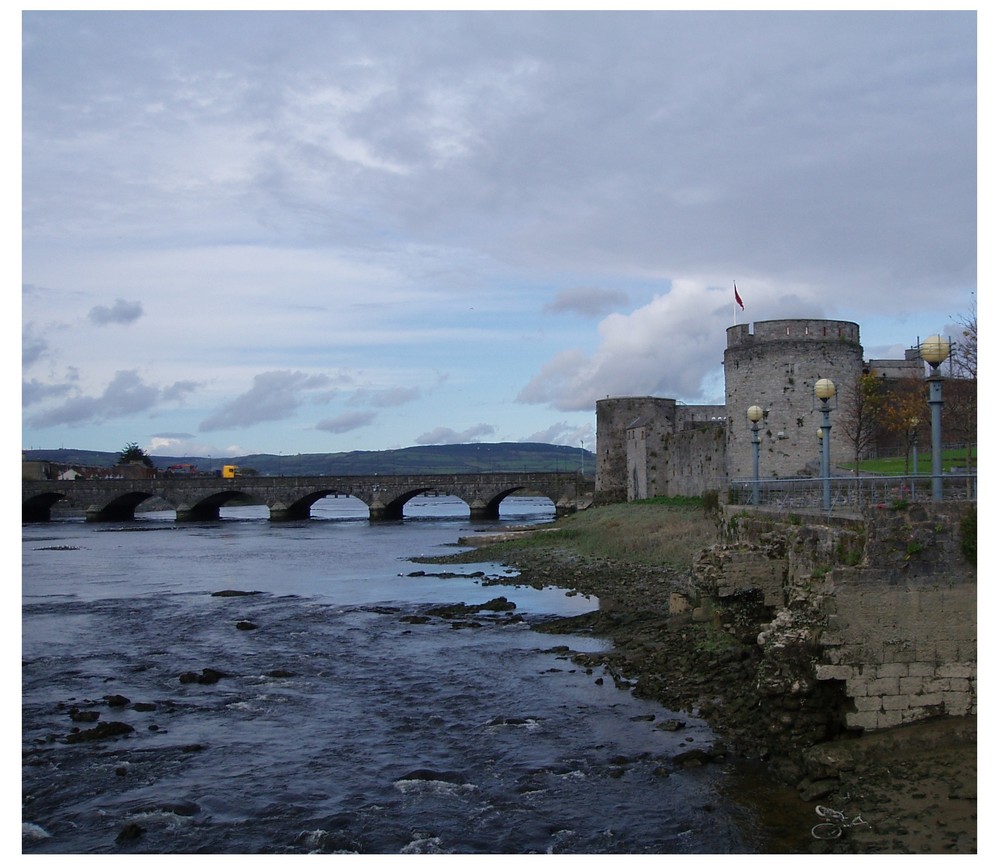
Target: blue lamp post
(755, 414)
(934, 350)
(825, 390)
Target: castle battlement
(792, 329)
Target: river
(345, 720)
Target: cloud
(388, 398)
(444, 435)
(33, 346)
(122, 312)
(177, 391)
(126, 394)
(273, 396)
(347, 421)
(587, 302)
(673, 346)
(565, 434)
(34, 391)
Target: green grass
(663, 531)
(898, 465)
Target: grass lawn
(896, 465)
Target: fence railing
(851, 493)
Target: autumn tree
(860, 404)
(905, 412)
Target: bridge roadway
(199, 498)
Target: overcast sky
(307, 232)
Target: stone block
(955, 670)
(920, 668)
(889, 719)
(833, 673)
(864, 720)
(895, 702)
(868, 703)
(884, 687)
(893, 670)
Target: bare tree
(964, 348)
(860, 408)
(961, 409)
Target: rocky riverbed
(914, 789)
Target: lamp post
(825, 390)
(914, 423)
(755, 414)
(934, 350)
(819, 435)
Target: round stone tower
(775, 367)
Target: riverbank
(915, 788)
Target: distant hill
(434, 459)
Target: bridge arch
(385, 496)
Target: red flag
(739, 302)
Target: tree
(860, 409)
(964, 349)
(132, 453)
(961, 408)
(905, 411)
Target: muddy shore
(914, 788)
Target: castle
(651, 446)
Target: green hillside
(436, 459)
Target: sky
(269, 232)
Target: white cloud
(444, 435)
(673, 346)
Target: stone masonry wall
(776, 367)
(874, 615)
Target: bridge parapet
(199, 498)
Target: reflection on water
(345, 718)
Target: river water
(344, 721)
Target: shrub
(967, 535)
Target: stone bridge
(199, 498)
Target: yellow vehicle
(230, 471)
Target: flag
(739, 302)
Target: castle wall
(614, 416)
(776, 367)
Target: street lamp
(934, 350)
(755, 414)
(914, 423)
(825, 390)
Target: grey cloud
(273, 396)
(126, 394)
(177, 391)
(388, 398)
(36, 391)
(588, 302)
(445, 435)
(123, 312)
(33, 346)
(347, 421)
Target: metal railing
(851, 493)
